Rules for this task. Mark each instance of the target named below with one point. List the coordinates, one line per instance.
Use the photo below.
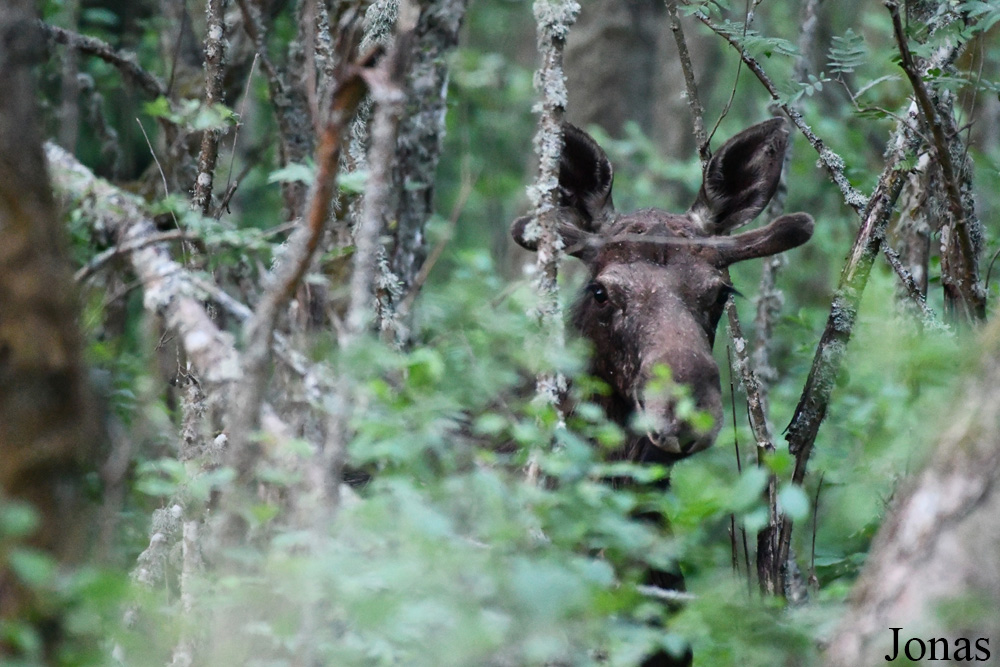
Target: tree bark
(48, 419)
(934, 568)
(421, 130)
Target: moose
(658, 286)
(658, 281)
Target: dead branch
(122, 61)
(169, 290)
(245, 417)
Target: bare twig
(690, 85)
(230, 186)
(296, 132)
(666, 594)
(102, 258)
(739, 469)
(832, 162)
(122, 61)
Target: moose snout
(682, 415)
(680, 437)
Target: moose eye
(599, 292)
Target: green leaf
(353, 182)
(159, 108)
(847, 53)
(426, 367)
(33, 567)
(17, 519)
(792, 500)
(293, 172)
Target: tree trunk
(48, 424)
(934, 568)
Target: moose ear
(741, 177)
(577, 242)
(585, 177)
(784, 233)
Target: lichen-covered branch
(384, 86)
(833, 163)
(169, 290)
(771, 574)
(815, 398)
(554, 19)
(215, 60)
(967, 287)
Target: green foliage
(755, 42)
(192, 114)
(847, 52)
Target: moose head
(659, 281)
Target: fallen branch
(168, 288)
